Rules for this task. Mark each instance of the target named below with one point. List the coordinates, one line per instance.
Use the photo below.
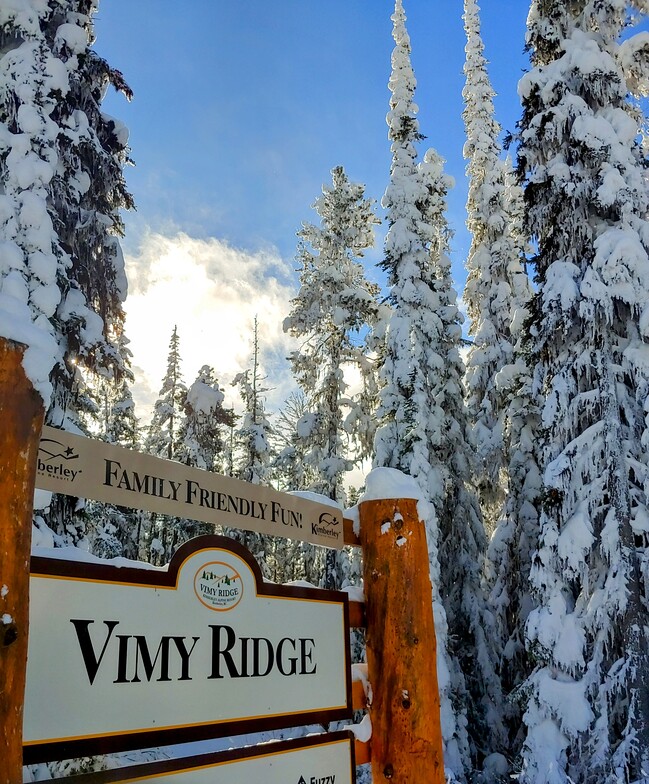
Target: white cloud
(212, 293)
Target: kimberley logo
(57, 459)
(327, 525)
(218, 586)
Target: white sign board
(87, 468)
(122, 658)
(320, 759)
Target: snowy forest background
(527, 436)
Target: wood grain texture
(21, 420)
(406, 742)
(349, 536)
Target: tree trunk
(21, 420)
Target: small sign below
(133, 657)
(319, 759)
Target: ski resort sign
(87, 468)
(316, 759)
(133, 657)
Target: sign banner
(123, 658)
(319, 759)
(87, 468)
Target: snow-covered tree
(360, 421)
(422, 416)
(502, 415)
(163, 437)
(120, 423)
(586, 194)
(190, 426)
(62, 280)
(61, 161)
(514, 540)
(123, 424)
(462, 540)
(164, 440)
(497, 289)
(255, 432)
(288, 465)
(335, 302)
(201, 433)
(254, 461)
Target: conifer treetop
(402, 83)
(335, 302)
(478, 94)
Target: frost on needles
(330, 317)
(587, 713)
(62, 280)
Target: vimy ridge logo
(218, 586)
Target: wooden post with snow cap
(406, 742)
(21, 419)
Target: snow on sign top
(383, 483)
(87, 468)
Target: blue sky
(241, 110)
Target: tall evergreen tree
(164, 440)
(515, 539)
(163, 437)
(198, 441)
(255, 432)
(288, 465)
(462, 541)
(62, 280)
(254, 464)
(123, 424)
(497, 289)
(499, 406)
(334, 304)
(587, 202)
(402, 370)
(422, 415)
(61, 162)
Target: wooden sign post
(406, 743)
(21, 419)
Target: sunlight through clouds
(212, 292)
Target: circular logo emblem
(218, 586)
